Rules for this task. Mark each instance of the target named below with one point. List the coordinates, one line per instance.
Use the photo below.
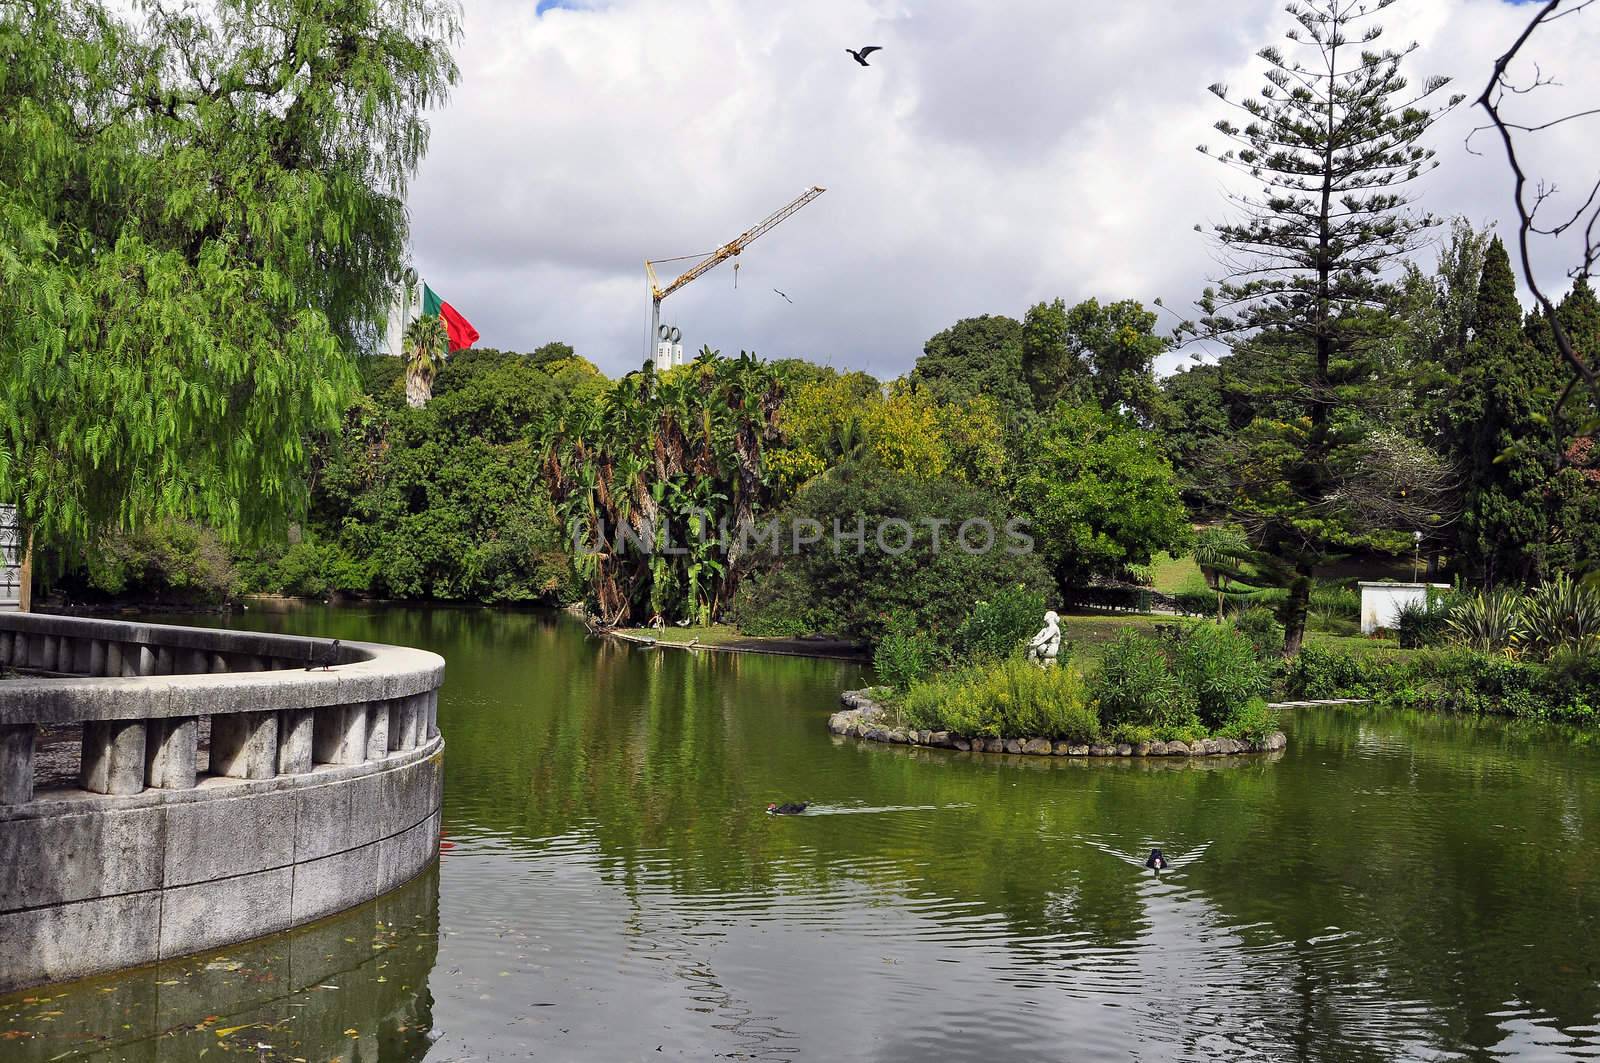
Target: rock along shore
(864, 718)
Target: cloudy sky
(995, 154)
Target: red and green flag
(461, 332)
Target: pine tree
(1498, 430)
(1331, 141)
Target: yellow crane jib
(720, 255)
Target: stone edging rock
(864, 718)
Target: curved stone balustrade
(320, 790)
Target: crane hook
(736, 275)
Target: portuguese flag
(462, 334)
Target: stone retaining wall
(319, 790)
(864, 718)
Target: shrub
(1136, 685)
(1561, 615)
(1488, 623)
(1316, 673)
(1219, 668)
(853, 592)
(999, 625)
(1424, 622)
(904, 655)
(1011, 698)
(1250, 721)
(1260, 625)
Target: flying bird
(784, 296)
(861, 56)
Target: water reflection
(353, 987)
(1392, 886)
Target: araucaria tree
(1332, 138)
(201, 211)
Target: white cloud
(992, 155)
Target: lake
(1392, 886)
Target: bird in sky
(861, 56)
(785, 296)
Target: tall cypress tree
(1330, 141)
(1500, 433)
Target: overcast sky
(994, 154)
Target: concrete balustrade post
(169, 755)
(113, 659)
(7, 641)
(244, 745)
(130, 659)
(340, 734)
(377, 730)
(163, 660)
(433, 714)
(147, 660)
(50, 658)
(296, 731)
(16, 763)
(82, 656)
(113, 756)
(403, 713)
(97, 657)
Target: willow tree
(1331, 141)
(201, 210)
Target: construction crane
(717, 257)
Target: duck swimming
(790, 809)
(1157, 860)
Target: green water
(1391, 887)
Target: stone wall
(320, 790)
(864, 718)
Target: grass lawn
(1169, 575)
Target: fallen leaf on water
(352, 1032)
(226, 1030)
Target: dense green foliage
(201, 208)
(442, 502)
(931, 580)
(1092, 354)
(1207, 679)
(977, 356)
(1498, 424)
(1099, 494)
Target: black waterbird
(1157, 860)
(326, 659)
(791, 809)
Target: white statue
(1046, 645)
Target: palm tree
(1218, 551)
(427, 347)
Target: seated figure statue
(1046, 645)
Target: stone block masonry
(321, 790)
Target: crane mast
(719, 256)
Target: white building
(1381, 602)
